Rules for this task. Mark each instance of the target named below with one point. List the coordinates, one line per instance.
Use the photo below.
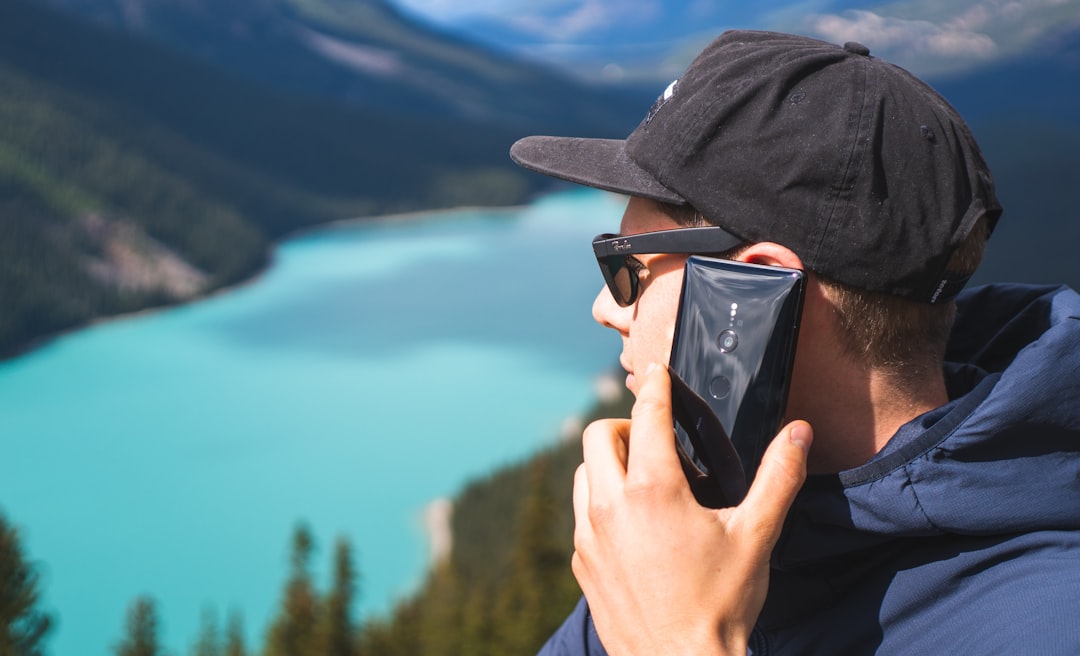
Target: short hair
(898, 334)
(903, 337)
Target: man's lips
(630, 379)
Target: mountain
(151, 149)
(367, 53)
(1025, 112)
(134, 175)
(1039, 84)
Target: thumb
(778, 480)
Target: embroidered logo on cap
(668, 94)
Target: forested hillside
(91, 225)
(133, 176)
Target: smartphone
(731, 359)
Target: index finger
(603, 446)
(652, 455)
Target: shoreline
(43, 341)
(439, 540)
(437, 514)
(411, 215)
(436, 519)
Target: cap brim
(600, 163)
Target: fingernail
(651, 368)
(801, 436)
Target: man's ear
(770, 254)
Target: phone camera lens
(727, 341)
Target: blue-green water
(374, 368)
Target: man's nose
(606, 311)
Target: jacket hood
(999, 458)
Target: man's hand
(662, 574)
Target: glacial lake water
(375, 367)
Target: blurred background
(349, 423)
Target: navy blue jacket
(963, 534)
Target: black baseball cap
(862, 169)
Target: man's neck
(860, 413)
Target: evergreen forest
(505, 586)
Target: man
(941, 512)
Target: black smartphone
(731, 359)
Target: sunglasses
(614, 254)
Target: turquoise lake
(375, 367)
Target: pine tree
(477, 626)
(22, 627)
(293, 632)
(234, 636)
(336, 634)
(439, 632)
(398, 636)
(209, 643)
(524, 612)
(141, 638)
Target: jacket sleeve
(576, 637)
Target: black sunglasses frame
(614, 253)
